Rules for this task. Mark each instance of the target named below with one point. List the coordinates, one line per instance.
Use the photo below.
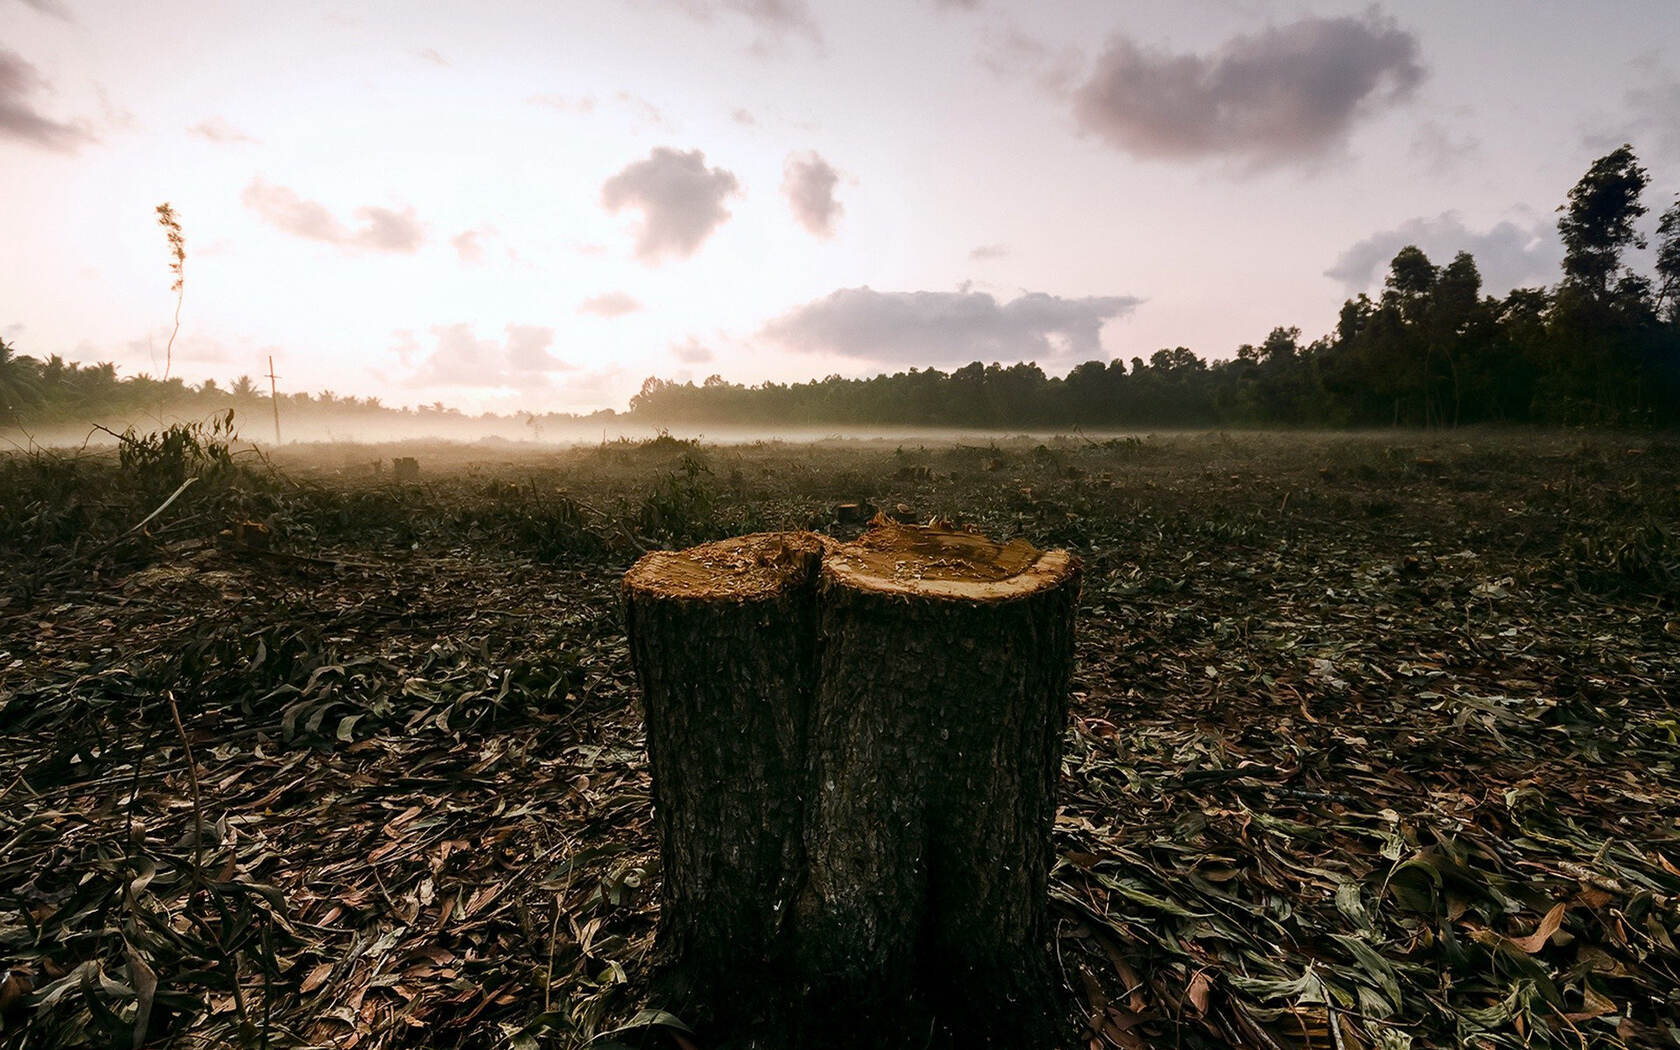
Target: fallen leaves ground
(1373, 741)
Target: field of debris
(1373, 740)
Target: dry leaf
(1543, 933)
(1201, 985)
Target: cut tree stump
(724, 641)
(853, 513)
(855, 750)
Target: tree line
(1602, 346)
(54, 390)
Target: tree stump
(852, 513)
(855, 750)
(723, 637)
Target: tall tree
(1598, 221)
(1455, 307)
(1668, 262)
(1411, 277)
(1399, 354)
(20, 385)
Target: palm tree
(53, 371)
(20, 382)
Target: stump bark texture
(855, 750)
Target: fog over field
(497, 433)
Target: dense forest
(1602, 346)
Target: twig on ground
(192, 779)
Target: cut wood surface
(744, 568)
(945, 563)
(854, 751)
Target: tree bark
(723, 638)
(879, 734)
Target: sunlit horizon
(536, 207)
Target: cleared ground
(1373, 740)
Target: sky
(536, 204)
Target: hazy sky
(538, 204)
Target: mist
(348, 433)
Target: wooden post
(855, 750)
(274, 397)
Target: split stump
(855, 750)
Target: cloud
(113, 115)
(405, 345)
(808, 182)
(468, 245)
(777, 19)
(1650, 123)
(609, 304)
(587, 387)
(381, 229)
(646, 113)
(1654, 108)
(643, 114)
(19, 119)
(51, 7)
(1287, 94)
(289, 213)
(564, 103)
(1509, 255)
(778, 16)
(389, 231)
(1434, 146)
(681, 201)
(521, 359)
(989, 251)
(1009, 53)
(219, 131)
(527, 347)
(690, 352)
(943, 327)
